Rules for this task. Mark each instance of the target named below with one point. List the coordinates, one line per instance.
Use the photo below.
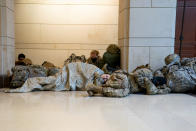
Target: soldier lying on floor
(181, 76)
(73, 76)
(116, 85)
(142, 81)
(175, 77)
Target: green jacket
(112, 59)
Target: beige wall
(146, 32)
(53, 29)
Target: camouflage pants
(116, 86)
(107, 91)
(151, 89)
(182, 80)
(111, 92)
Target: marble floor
(75, 111)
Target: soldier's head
(94, 54)
(105, 77)
(21, 56)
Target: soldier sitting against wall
(95, 59)
(22, 60)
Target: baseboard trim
(4, 81)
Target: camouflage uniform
(151, 89)
(22, 73)
(116, 86)
(52, 69)
(142, 72)
(24, 62)
(28, 61)
(134, 87)
(143, 76)
(180, 75)
(74, 58)
(98, 62)
(191, 62)
(48, 64)
(74, 76)
(181, 79)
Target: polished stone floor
(75, 111)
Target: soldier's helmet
(172, 59)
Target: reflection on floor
(75, 111)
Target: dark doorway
(189, 34)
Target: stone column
(7, 40)
(146, 32)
